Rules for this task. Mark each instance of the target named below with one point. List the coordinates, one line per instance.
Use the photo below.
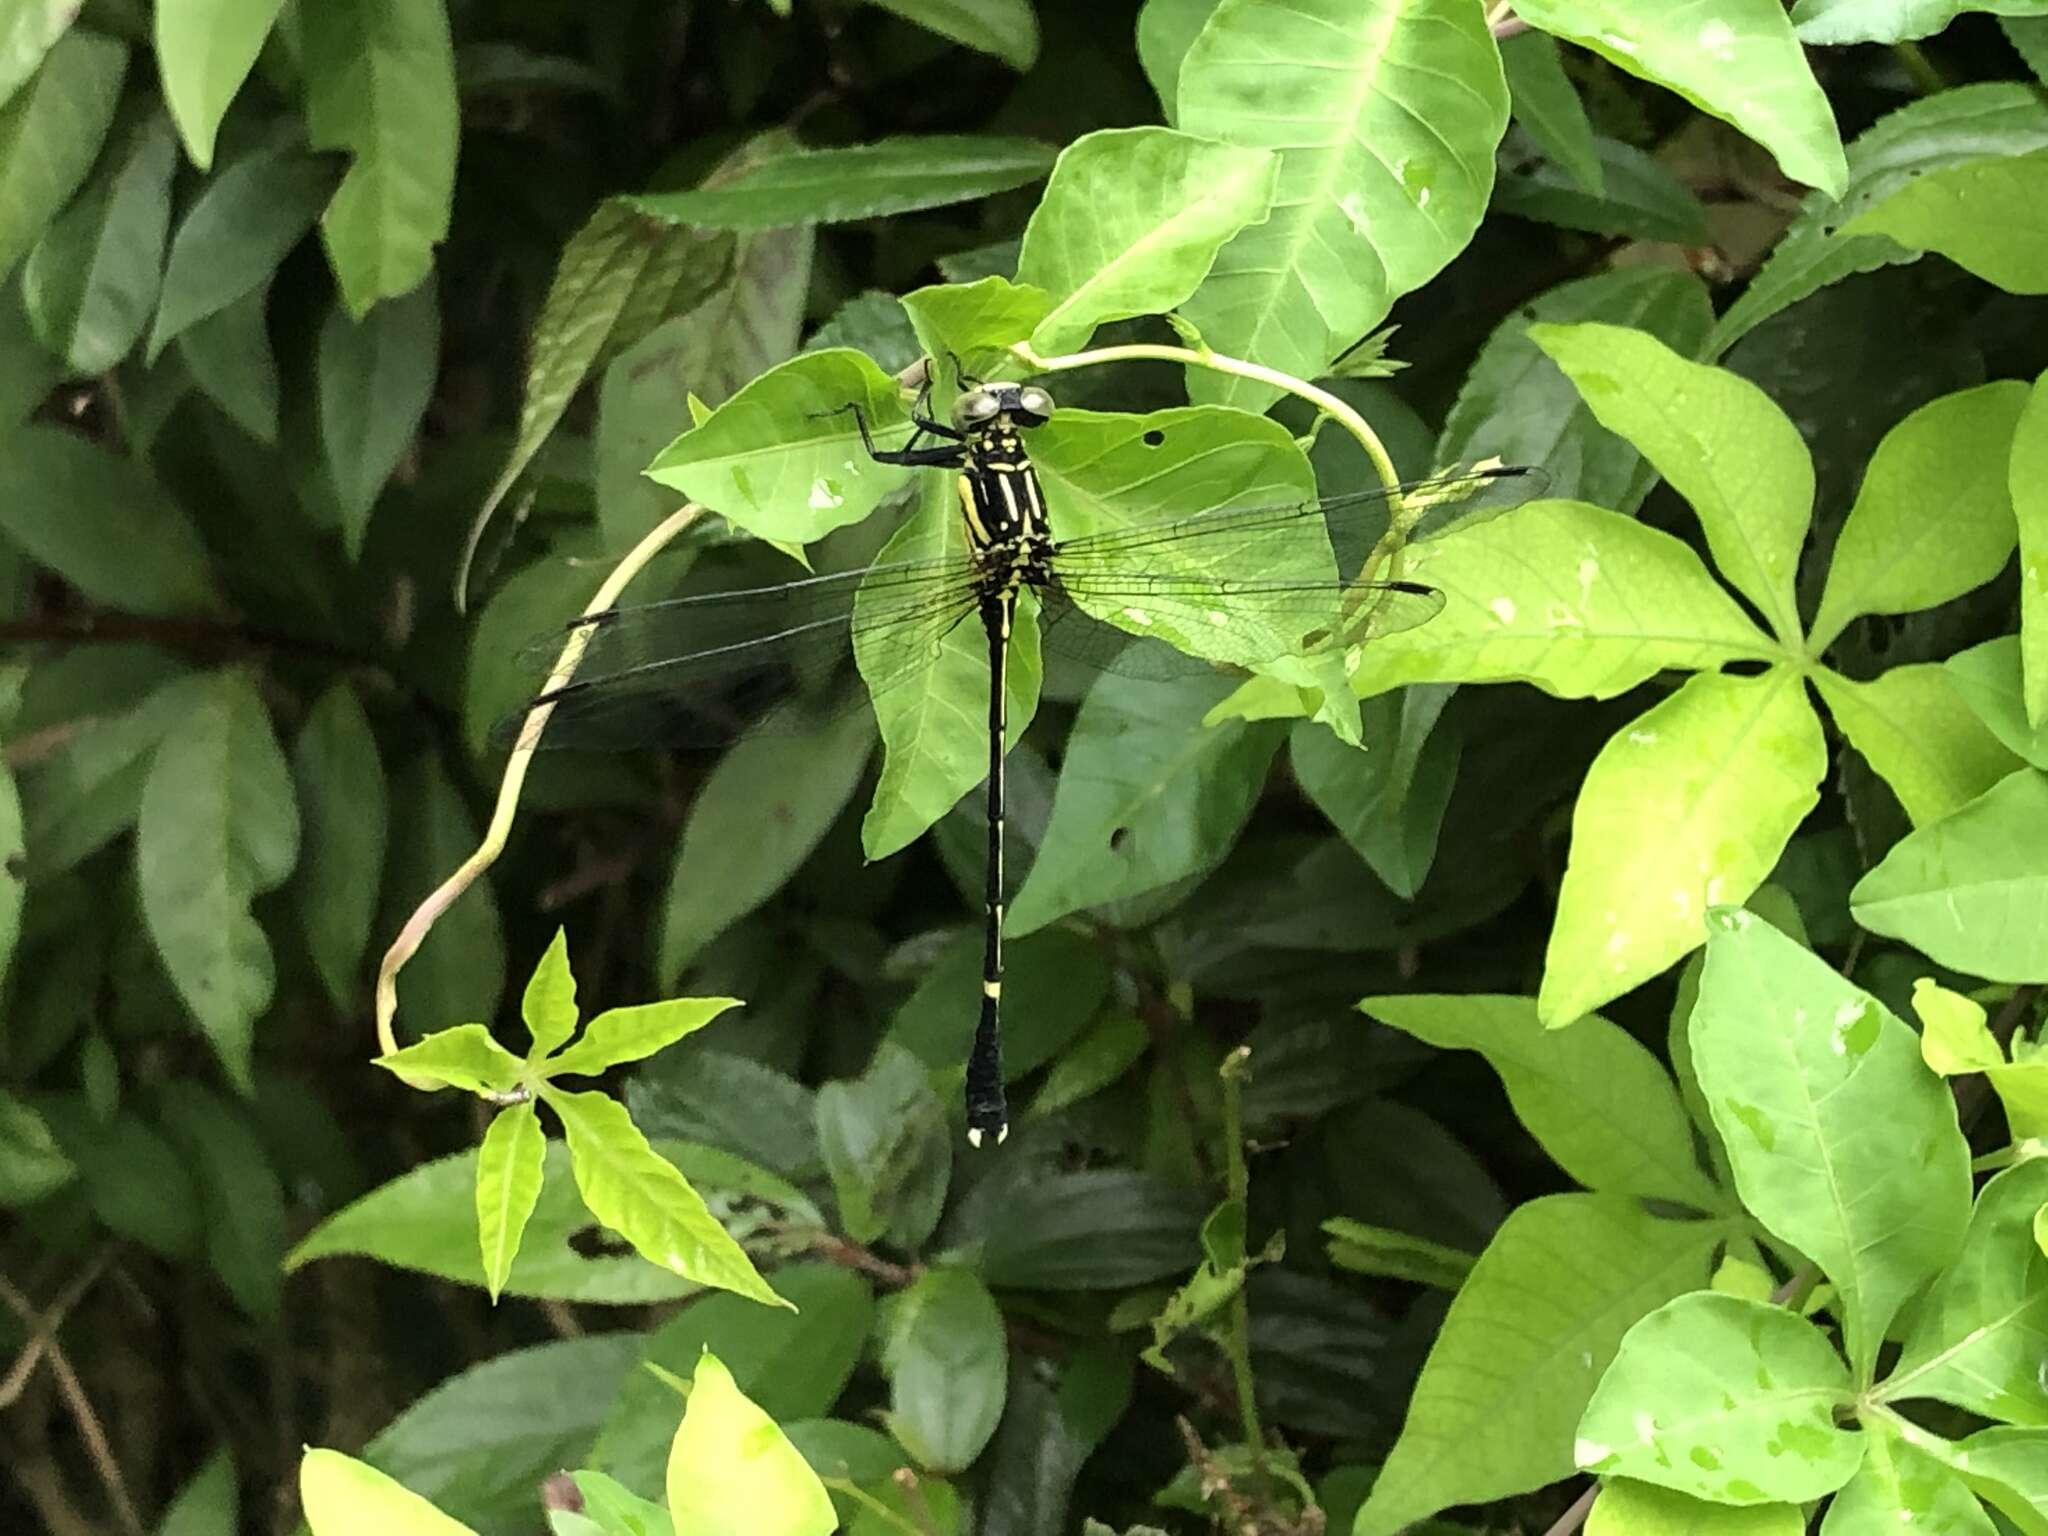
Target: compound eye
(1035, 402)
(972, 409)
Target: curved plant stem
(1237, 1188)
(429, 911)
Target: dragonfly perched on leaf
(707, 669)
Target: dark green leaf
(1546, 104)
(1049, 1429)
(886, 1144)
(32, 1165)
(209, 1505)
(1097, 1230)
(230, 359)
(376, 376)
(1006, 28)
(459, 972)
(241, 1199)
(947, 1360)
(343, 804)
(50, 133)
(132, 1177)
(1388, 802)
(1053, 982)
(1638, 199)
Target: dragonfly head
(991, 405)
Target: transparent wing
(705, 670)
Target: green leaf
(1579, 601)
(1794, 1063)
(631, 1034)
(380, 83)
(1639, 199)
(1381, 1251)
(856, 181)
(345, 1497)
(732, 1472)
(1050, 1429)
(204, 51)
(2029, 488)
(754, 821)
(619, 1512)
(1946, 128)
(1097, 1058)
(548, 1005)
(244, 222)
(1891, 21)
(1526, 1338)
(459, 971)
(1724, 1399)
(1976, 1341)
(218, 826)
(344, 804)
(1546, 104)
(1131, 223)
(2007, 1468)
(1389, 804)
(1597, 1100)
(1147, 795)
(2029, 39)
(1688, 807)
(91, 282)
(208, 1505)
(132, 1177)
(886, 1146)
(1989, 679)
(464, 1057)
(13, 866)
(641, 1196)
(1912, 725)
(375, 377)
(32, 1165)
(1735, 59)
(1899, 1485)
(28, 30)
(1720, 441)
(1983, 215)
(1891, 557)
(1053, 983)
(947, 1360)
(1517, 405)
(783, 458)
(50, 134)
(99, 521)
(1099, 1230)
(977, 322)
(1006, 28)
(1386, 115)
(1628, 1508)
(509, 1167)
(1166, 30)
(1954, 1037)
(241, 1199)
(1967, 890)
(934, 723)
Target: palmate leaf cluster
(1462, 1086)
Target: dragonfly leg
(910, 455)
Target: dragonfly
(706, 669)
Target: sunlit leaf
(509, 1168)
(732, 1472)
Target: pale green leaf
(28, 30)
(1131, 223)
(90, 285)
(1980, 1337)
(548, 1005)
(464, 1056)
(2029, 488)
(2008, 1468)
(1688, 807)
(346, 808)
(50, 133)
(976, 322)
(1595, 1098)
(1517, 405)
(345, 1497)
(204, 51)
(1724, 1399)
(947, 1360)
(218, 825)
(1984, 215)
(1954, 1035)
(855, 181)
(244, 222)
(374, 377)
(208, 1505)
(783, 458)
(2029, 39)
(1147, 795)
(1900, 1487)
(1369, 1250)
(1735, 59)
(1842, 1143)
(732, 1472)
(1946, 128)
(1547, 105)
(755, 819)
(1627, 1508)
(1006, 28)
(1968, 890)
(509, 1168)
(1912, 725)
(1891, 21)
(640, 1195)
(1720, 442)
(631, 1034)
(380, 84)
(1579, 601)
(1526, 1339)
(1166, 30)
(1990, 680)
(2022, 1087)
(1891, 557)
(1386, 115)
